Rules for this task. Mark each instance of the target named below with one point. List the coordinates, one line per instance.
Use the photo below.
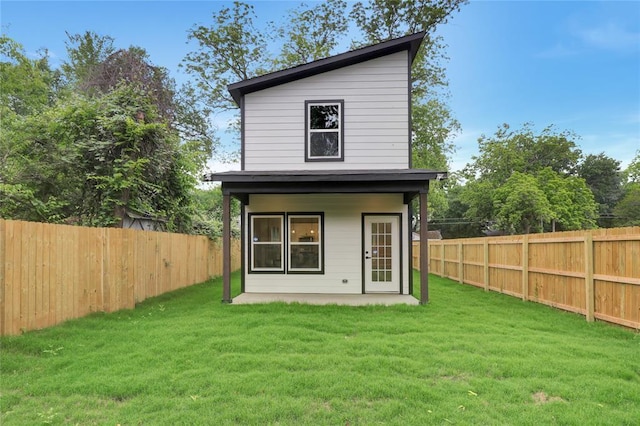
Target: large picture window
(267, 248)
(286, 243)
(324, 130)
(305, 243)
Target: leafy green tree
(115, 140)
(28, 85)
(627, 211)
(98, 68)
(572, 203)
(383, 19)
(433, 128)
(207, 219)
(29, 182)
(85, 53)
(520, 205)
(452, 222)
(602, 174)
(477, 196)
(38, 173)
(312, 33)
(632, 173)
(522, 150)
(229, 50)
(516, 151)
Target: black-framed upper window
(324, 123)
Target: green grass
(469, 357)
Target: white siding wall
(342, 240)
(376, 118)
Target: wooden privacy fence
(52, 273)
(595, 273)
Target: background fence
(595, 273)
(52, 273)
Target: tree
(627, 211)
(311, 33)
(207, 219)
(523, 151)
(28, 87)
(230, 50)
(383, 19)
(572, 203)
(85, 52)
(603, 176)
(632, 173)
(520, 205)
(452, 222)
(98, 68)
(112, 142)
(509, 152)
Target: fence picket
(51, 273)
(595, 273)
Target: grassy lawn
(469, 357)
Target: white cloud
(609, 36)
(580, 38)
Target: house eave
(409, 182)
(410, 43)
(307, 176)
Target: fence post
(460, 264)
(486, 264)
(3, 294)
(588, 276)
(442, 252)
(525, 268)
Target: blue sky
(571, 64)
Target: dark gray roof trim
(411, 43)
(409, 182)
(386, 175)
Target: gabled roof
(410, 43)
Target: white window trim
(255, 243)
(318, 243)
(339, 130)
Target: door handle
(366, 255)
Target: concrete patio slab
(326, 299)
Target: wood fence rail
(51, 273)
(595, 273)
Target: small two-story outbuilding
(326, 181)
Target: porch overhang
(409, 182)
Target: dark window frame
(321, 253)
(285, 242)
(307, 131)
(283, 252)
